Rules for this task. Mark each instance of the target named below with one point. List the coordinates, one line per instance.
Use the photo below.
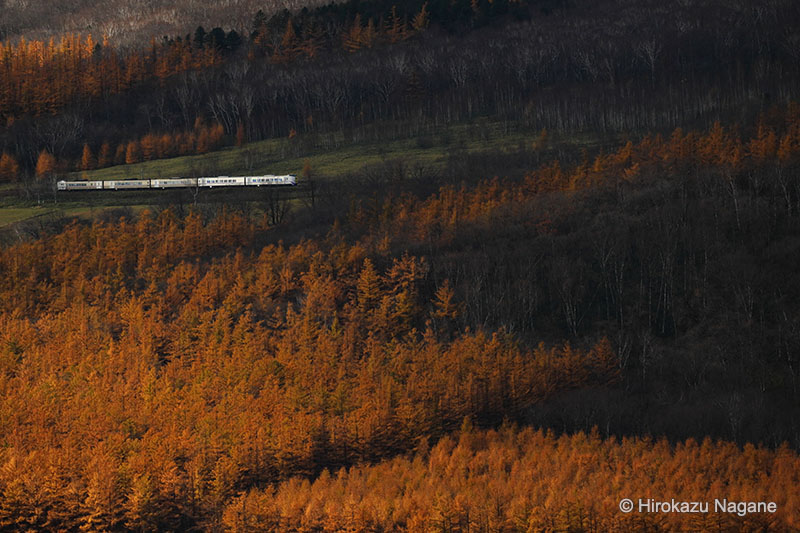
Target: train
(173, 183)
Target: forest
(512, 341)
(158, 370)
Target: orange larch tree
(119, 154)
(45, 164)
(9, 168)
(149, 146)
(132, 153)
(105, 158)
(88, 161)
(352, 38)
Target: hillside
(156, 367)
(541, 258)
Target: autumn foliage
(9, 168)
(697, 156)
(43, 77)
(168, 373)
(45, 164)
(199, 140)
(145, 383)
(528, 480)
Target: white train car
(79, 185)
(126, 184)
(221, 181)
(271, 179)
(166, 183)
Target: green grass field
(9, 215)
(282, 156)
(265, 157)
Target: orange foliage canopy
(152, 370)
(42, 77)
(527, 480)
(9, 168)
(690, 156)
(144, 383)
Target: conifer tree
(105, 158)
(9, 168)
(45, 165)
(88, 161)
(421, 19)
(132, 153)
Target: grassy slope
(280, 156)
(233, 161)
(9, 215)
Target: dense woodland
(159, 372)
(513, 342)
